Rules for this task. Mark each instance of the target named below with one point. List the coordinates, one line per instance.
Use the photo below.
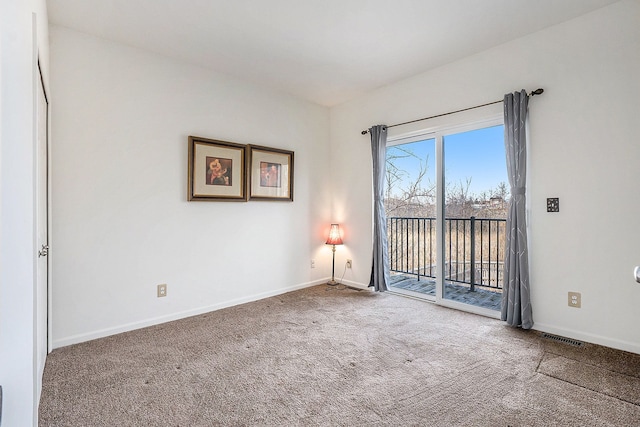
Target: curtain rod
(532, 93)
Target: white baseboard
(590, 338)
(75, 339)
(355, 285)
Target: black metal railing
(473, 247)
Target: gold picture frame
(270, 174)
(216, 170)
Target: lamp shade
(334, 235)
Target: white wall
(584, 149)
(18, 372)
(121, 220)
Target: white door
(42, 229)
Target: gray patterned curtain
(516, 301)
(380, 266)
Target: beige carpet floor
(326, 356)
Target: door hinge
(44, 251)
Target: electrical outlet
(313, 263)
(575, 299)
(162, 290)
(349, 263)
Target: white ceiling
(325, 51)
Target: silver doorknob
(44, 251)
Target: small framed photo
(216, 170)
(270, 174)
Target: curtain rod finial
(538, 91)
(364, 132)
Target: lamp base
(332, 282)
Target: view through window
(474, 194)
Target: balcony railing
(474, 249)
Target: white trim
(440, 218)
(35, 82)
(75, 339)
(49, 229)
(40, 82)
(590, 338)
(413, 294)
(481, 311)
(432, 131)
(410, 137)
(47, 94)
(356, 285)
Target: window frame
(438, 131)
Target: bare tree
(412, 198)
(459, 204)
(412, 194)
(491, 203)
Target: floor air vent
(557, 338)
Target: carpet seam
(585, 387)
(590, 389)
(591, 365)
(544, 352)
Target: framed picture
(216, 170)
(270, 174)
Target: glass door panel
(410, 204)
(475, 196)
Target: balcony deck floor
(480, 297)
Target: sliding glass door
(410, 204)
(446, 202)
(475, 211)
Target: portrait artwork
(270, 174)
(218, 171)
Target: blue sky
(477, 154)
